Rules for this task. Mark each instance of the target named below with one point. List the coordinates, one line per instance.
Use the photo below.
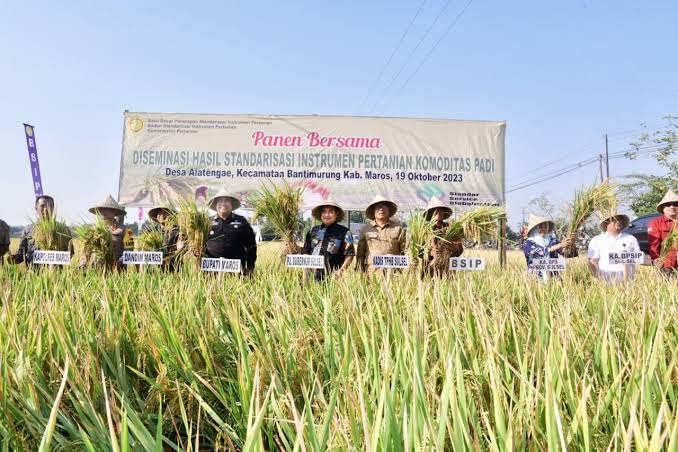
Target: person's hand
(180, 244)
(566, 243)
(338, 272)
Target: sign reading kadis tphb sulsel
(168, 157)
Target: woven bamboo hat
(317, 211)
(607, 218)
(168, 208)
(235, 202)
(670, 196)
(110, 204)
(392, 207)
(535, 221)
(433, 204)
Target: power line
(397, 47)
(435, 46)
(409, 57)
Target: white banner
(390, 261)
(615, 258)
(467, 263)
(209, 264)
(142, 257)
(304, 261)
(51, 257)
(167, 157)
(549, 264)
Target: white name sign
(467, 263)
(51, 257)
(304, 261)
(615, 258)
(210, 264)
(549, 265)
(390, 261)
(142, 257)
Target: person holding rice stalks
(230, 235)
(165, 217)
(330, 239)
(662, 235)
(103, 243)
(439, 249)
(541, 243)
(381, 235)
(47, 233)
(613, 239)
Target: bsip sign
(33, 159)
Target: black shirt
(232, 238)
(335, 242)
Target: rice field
(478, 361)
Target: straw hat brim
(153, 213)
(669, 197)
(317, 211)
(392, 208)
(235, 202)
(604, 223)
(428, 213)
(97, 209)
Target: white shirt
(602, 245)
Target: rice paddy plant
(281, 205)
(194, 227)
(50, 234)
(668, 244)
(96, 241)
(600, 198)
(150, 240)
(478, 361)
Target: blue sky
(560, 73)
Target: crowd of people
(231, 236)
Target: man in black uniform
(44, 209)
(231, 236)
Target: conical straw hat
(607, 218)
(435, 203)
(535, 221)
(235, 202)
(670, 196)
(369, 212)
(317, 210)
(153, 213)
(108, 203)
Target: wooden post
(501, 242)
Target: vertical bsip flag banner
(33, 158)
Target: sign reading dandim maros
(166, 157)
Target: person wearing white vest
(612, 240)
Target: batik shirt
(534, 251)
(335, 242)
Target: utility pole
(600, 165)
(607, 158)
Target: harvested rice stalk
(51, 234)
(149, 240)
(668, 244)
(420, 231)
(281, 205)
(601, 198)
(97, 245)
(194, 228)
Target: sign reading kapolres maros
(166, 157)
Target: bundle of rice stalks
(281, 205)
(150, 240)
(668, 244)
(601, 198)
(51, 234)
(194, 228)
(420, 231)
(473, 224)
(96, 240)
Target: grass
(478, 361)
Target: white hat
(317, 210)
(670, 196)
(435, 203)
(108, 203)
(392, 207)
(535, 221)
(235, 202)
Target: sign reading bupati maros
(166, 157)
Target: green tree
(644, 191)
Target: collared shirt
(335, 242)
(26, 246)
(232, 238)
(657, 231)
(378, 240)
(602, 245)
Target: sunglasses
(671, 204)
